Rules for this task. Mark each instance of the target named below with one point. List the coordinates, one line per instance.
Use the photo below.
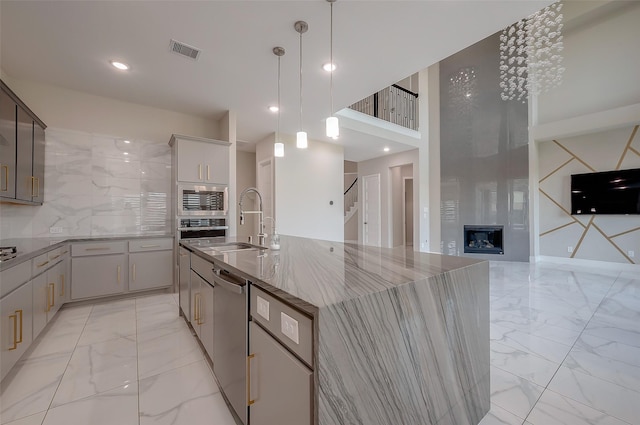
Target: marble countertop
(315, 273)
(28, 248)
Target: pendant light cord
(300, 81)
(278, 128)
(331, 59)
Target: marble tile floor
(565, 350)
(127, 362)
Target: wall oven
(192, 228)
(195, 200)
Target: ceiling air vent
(184, 49)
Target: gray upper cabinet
(7, 146)
(200, 160)
(22, 141)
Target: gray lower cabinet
(15, 326)
(99, 275)
(184, 281)
(280, 385)
(40, 303)
(150, 270)
(202, 311)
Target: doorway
(371, 210)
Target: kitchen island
(399, 337)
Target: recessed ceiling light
(126, 153)
(127, 141)
(273, 108)
(329, 66)
(120, 65)
(386, 149)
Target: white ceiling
(376, 43)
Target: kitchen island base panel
(418, 353)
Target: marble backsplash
(97, 185)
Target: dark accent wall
(484, 153)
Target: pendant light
(278, 146)
(332, 125)
(301, 136)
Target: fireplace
(479, 239)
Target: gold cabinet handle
(98, 248)
(43, 264)
(38, 187)
(33, 185)
(195, 308)
(15, 331)
(6, 178)
(149, 246)
(55, 257)
(199, 171)
(48, 298)
(119, 269)
(134, 272)
(208, 176)
(19, 313)
(200, 321)
(62, 285)
(250, 401)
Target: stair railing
(394, 104)
(351, 196)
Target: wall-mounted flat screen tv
(609, 192)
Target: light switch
(289, 327)
(263, 307)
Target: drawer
(158, 244)
(271, 313)
(54, 256)
(98, 248)
(11, 278)
(41, 263)
(203, 268)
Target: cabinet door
(15, 326)
(184, 279)
(149, 270)
(55, 277)
(216, 167)
(64, 290)
(41, 303)
(194, 319)
(281, 386)
(38, 163)
(191, 161)
(25, 181)
(206, 318)
(7, 146)
(98, 275)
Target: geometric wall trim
(609, 238)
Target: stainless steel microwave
(202, 200)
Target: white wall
(602, 62)
(62, 108)
(306, 181)
(590, 113)
(245, 177)
(384, 166)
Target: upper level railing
(394, 104)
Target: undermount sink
(230, 247)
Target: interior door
(371, 210)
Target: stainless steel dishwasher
(230, 338)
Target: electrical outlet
(631, 254)
(263, 307)
(289, 327)
(55, 229)
(569, 249)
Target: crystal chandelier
(462, 89)
(530, 59)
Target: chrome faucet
(261, 234)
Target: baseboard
(577, 262)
